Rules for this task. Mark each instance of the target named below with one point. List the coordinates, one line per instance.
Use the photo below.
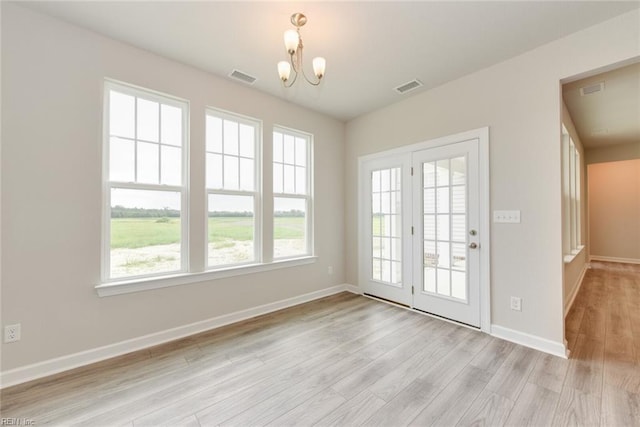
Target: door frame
(482, 135)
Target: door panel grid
(386, 221)
(444, 221)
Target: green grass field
(132, 233)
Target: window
(572, 166)
(145, 175)
(292, 202)
(232, 182)
(146, 197)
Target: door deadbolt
(473, 232)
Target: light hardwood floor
(350, 360)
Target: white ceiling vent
(408, 86)
(243, 77)
(594, 88)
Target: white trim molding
(76, 360)
(614, 259)
(568, 258)
(354, 289)
(138, 285)
(576, 288)
(531, 341)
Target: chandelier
(294, 46)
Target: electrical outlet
(516, 303)
(12, 333)
(330, 269)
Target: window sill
(130, 286)
(568, 258)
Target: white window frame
(198, 272)
(108, 185)
(308, 196)
(256, 193)
(572, 175)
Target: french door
(421, 232)
(384, 222)
(445, 243)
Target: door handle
(473, 245)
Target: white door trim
(482, 134)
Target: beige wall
(614, 210)
(52, 81)
(574, 269)
(613, 153)
(520, 100)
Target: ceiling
(370, 47)
(610, 115)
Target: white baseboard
(354, 289)
(531, 341)
(576, 288)
(65, 363)
(614, 259)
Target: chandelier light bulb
(319, 65)
(284, 70)
(291, 40)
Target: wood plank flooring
(349, 360)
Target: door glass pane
(430, 279)
(443, 255)
(442, 201)
(445, 227)
(459, 256)
(459, 285)
(430, 227)
(459, 171)
(442, 173)
(443, 284)
(458, 228)
(459, 201)
(376, 273)
(429, 170)
(386, 224)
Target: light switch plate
(512, 217)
